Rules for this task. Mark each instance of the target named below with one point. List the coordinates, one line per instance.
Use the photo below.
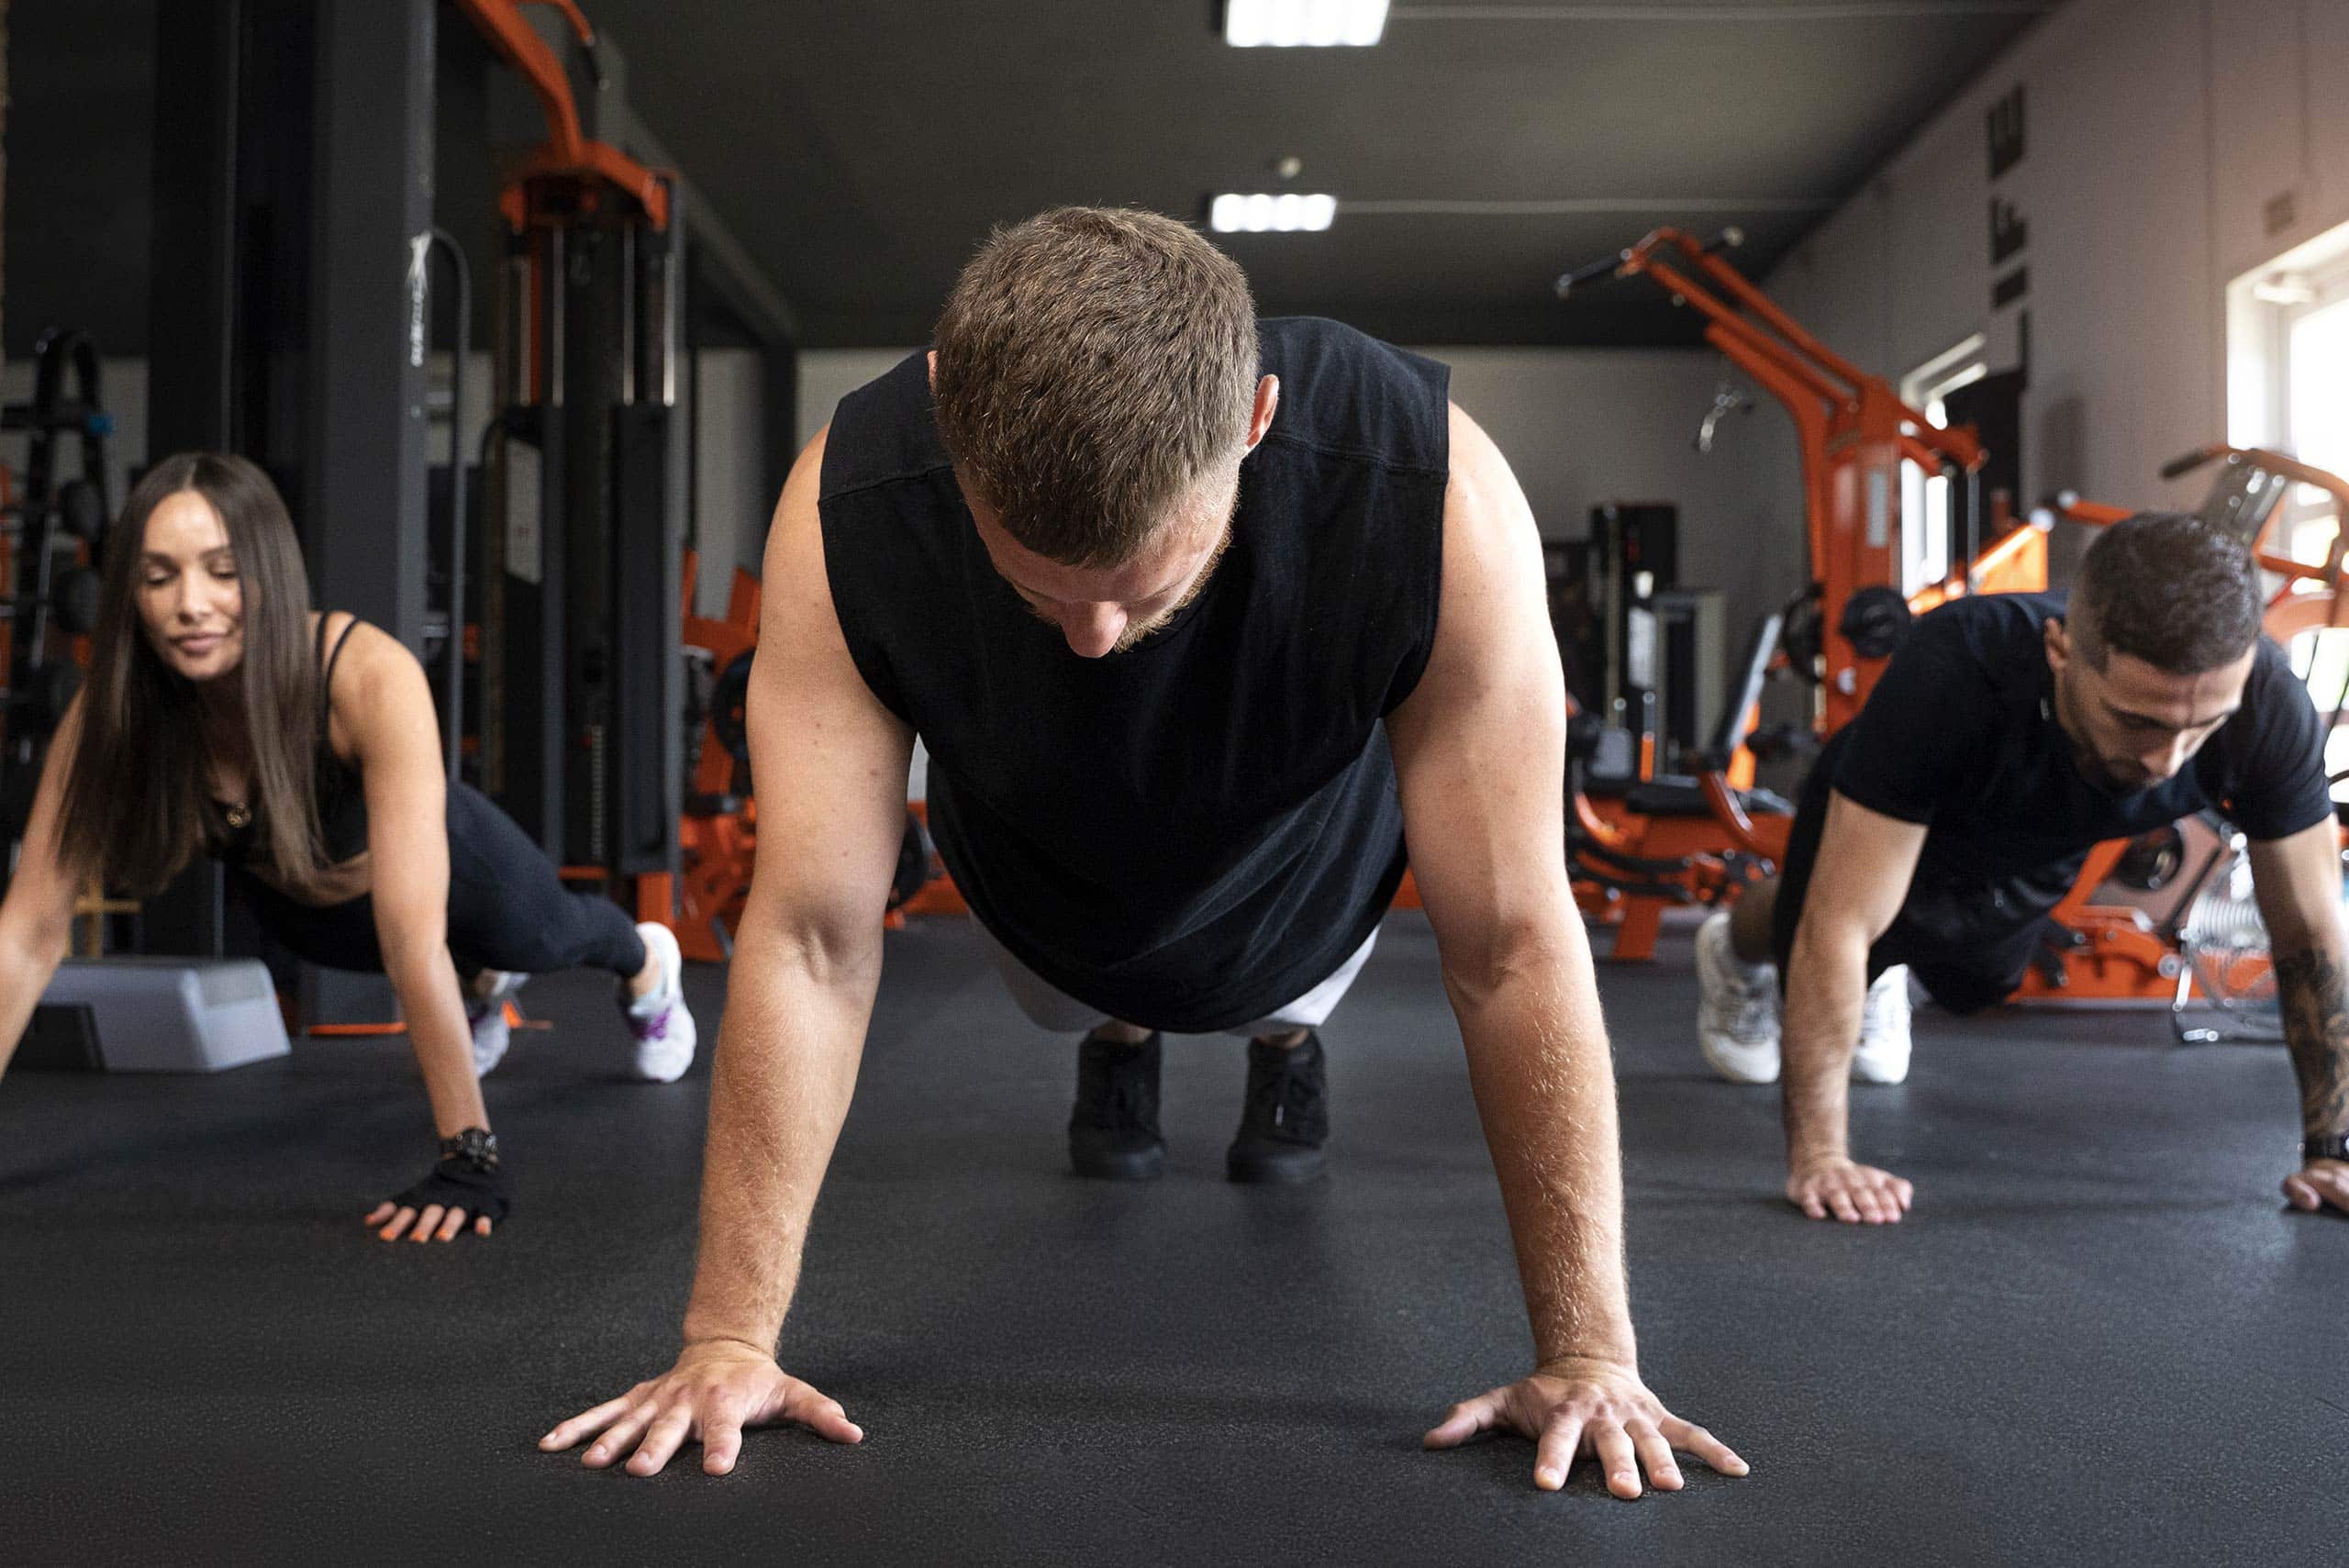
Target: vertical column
(364, 509)
(650, 458)
(192, 343)
(192, 306)
(363, 506)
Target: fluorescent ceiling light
(1232, 213)
(1251, 24)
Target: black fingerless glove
(466, 1176)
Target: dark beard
(2093, 770)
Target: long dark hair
(138, 805)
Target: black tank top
(1195, 831)
(342, 799)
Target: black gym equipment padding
(81, 506)
(1681, 795)
(730, 703)
(2152, 860)
(1875, 620)
(208, 1358)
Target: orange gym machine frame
(719, 833)
(1853, 433)
(569, 171)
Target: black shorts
(1970, 947)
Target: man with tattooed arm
(2010, 734)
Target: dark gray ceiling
(860, 150)
(79, 145)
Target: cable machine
(581, 717)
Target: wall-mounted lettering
(2008, 232)
(2006, 133)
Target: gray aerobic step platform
(174, 1015)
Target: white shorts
(1050, 1008)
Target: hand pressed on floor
(2317, 1184)
(1582, 1404)
(1850, 1192)
(715, 1390)
(434, 1223)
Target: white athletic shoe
(1883, 1055)
(662, 1029)
(485, 1012)
(1737, 1007)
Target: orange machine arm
(1853, 431)
(1958, 446)
(567, 150)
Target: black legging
(506, 908)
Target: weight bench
(1679, 838)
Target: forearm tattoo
(2314, 996)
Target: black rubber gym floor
(2099, 1338)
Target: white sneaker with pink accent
(662, 1028)
(485, 1013)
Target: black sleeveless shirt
(1195, 831)
(341, 796)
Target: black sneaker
(1113, 1130)
(1287, 1118)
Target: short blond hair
(1093, 365)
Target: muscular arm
(1479, 753)
(2298, 884)
(830, 763)
(1860, 875)
(36, 918)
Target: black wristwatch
(477, 1146)
(2326, 1146)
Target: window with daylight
(1925, 498)
(2288, 389)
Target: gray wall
(2158, 133)
(731, 501)
(1583, 426)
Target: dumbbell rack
(48, 606)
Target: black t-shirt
(1199, 829)
(1960, 735)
